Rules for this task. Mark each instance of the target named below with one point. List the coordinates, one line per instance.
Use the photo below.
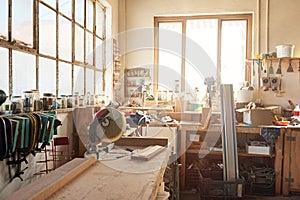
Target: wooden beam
(50, 183)
(141, 141)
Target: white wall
(275, 22)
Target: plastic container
(296, 111)
(285, 51)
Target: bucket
(244, 96)
(286, 50)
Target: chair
(57, 152)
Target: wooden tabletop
(89, 178)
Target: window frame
(183, 19)
(34, 50)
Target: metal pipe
(229, 141)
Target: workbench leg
(286, 163)
(278, 161)
(182, 158)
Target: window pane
(24, 73)
(65, 79)
(233, 56)
(90, 81)
(79, 11)
(4, 70)
(99, 53)
(47, 75)
(47, 34)
(89, 14)
(79, 80)
(170, 48)
(65, 38)
(89, 48)
(201, 53)
(99, 20)
(79, 43)
(51, 3)
(99, 83)
(65, 7)
(22, 22)
(3, 19)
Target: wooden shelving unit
(135, 78)
(116, 71)
(242, 133)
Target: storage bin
(213, 189)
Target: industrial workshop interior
(149, 99)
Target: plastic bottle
(296, 111)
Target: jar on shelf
(64, 102)
(16, 104)
(92, 99)
(57, 103)
(76, 100)
(82, 101)
(70, 101)
(37, 103)
(48, 101)
(7, 106)
(28, 101)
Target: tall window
(196, 48)
(51, 46)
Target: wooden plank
(141, 141)
(123, 178)
(205, 118)
(286, 163)
(247, 129)
(147, 153)
(278, 161)
(295, 162)
(182, 157)
(50, 183)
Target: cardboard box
(263, 150)
(259, 116)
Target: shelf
(116, 71)
(134, 78)
(219, 153)
(217, 128)
(138, 76)
(284, 58)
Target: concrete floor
(193, 196)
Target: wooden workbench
(88, 178)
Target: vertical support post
(229, 141)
